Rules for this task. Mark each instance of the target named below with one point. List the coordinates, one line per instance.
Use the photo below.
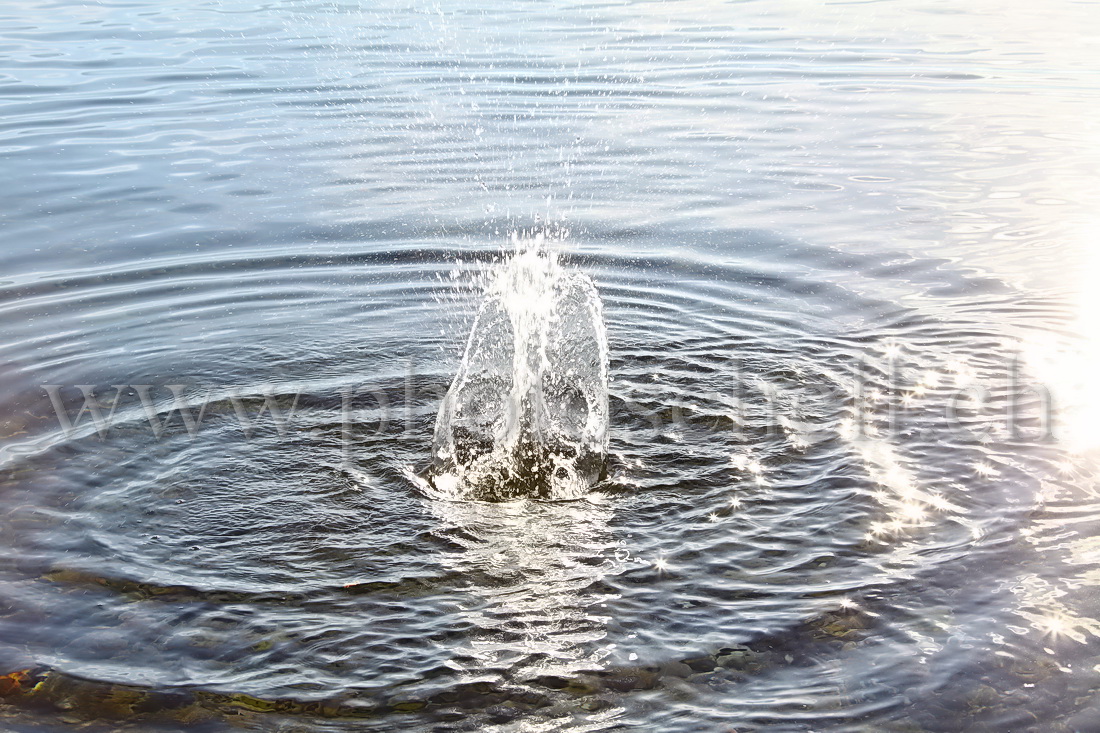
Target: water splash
(527, 413)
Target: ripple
(744, 414)
(239, 263)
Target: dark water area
(847, 258)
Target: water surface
(846, 256)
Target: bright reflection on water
(846, 254)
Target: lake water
(847, 256)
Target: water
(846, 258)
(526, 415)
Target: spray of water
(527, 413)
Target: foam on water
(527, 412)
